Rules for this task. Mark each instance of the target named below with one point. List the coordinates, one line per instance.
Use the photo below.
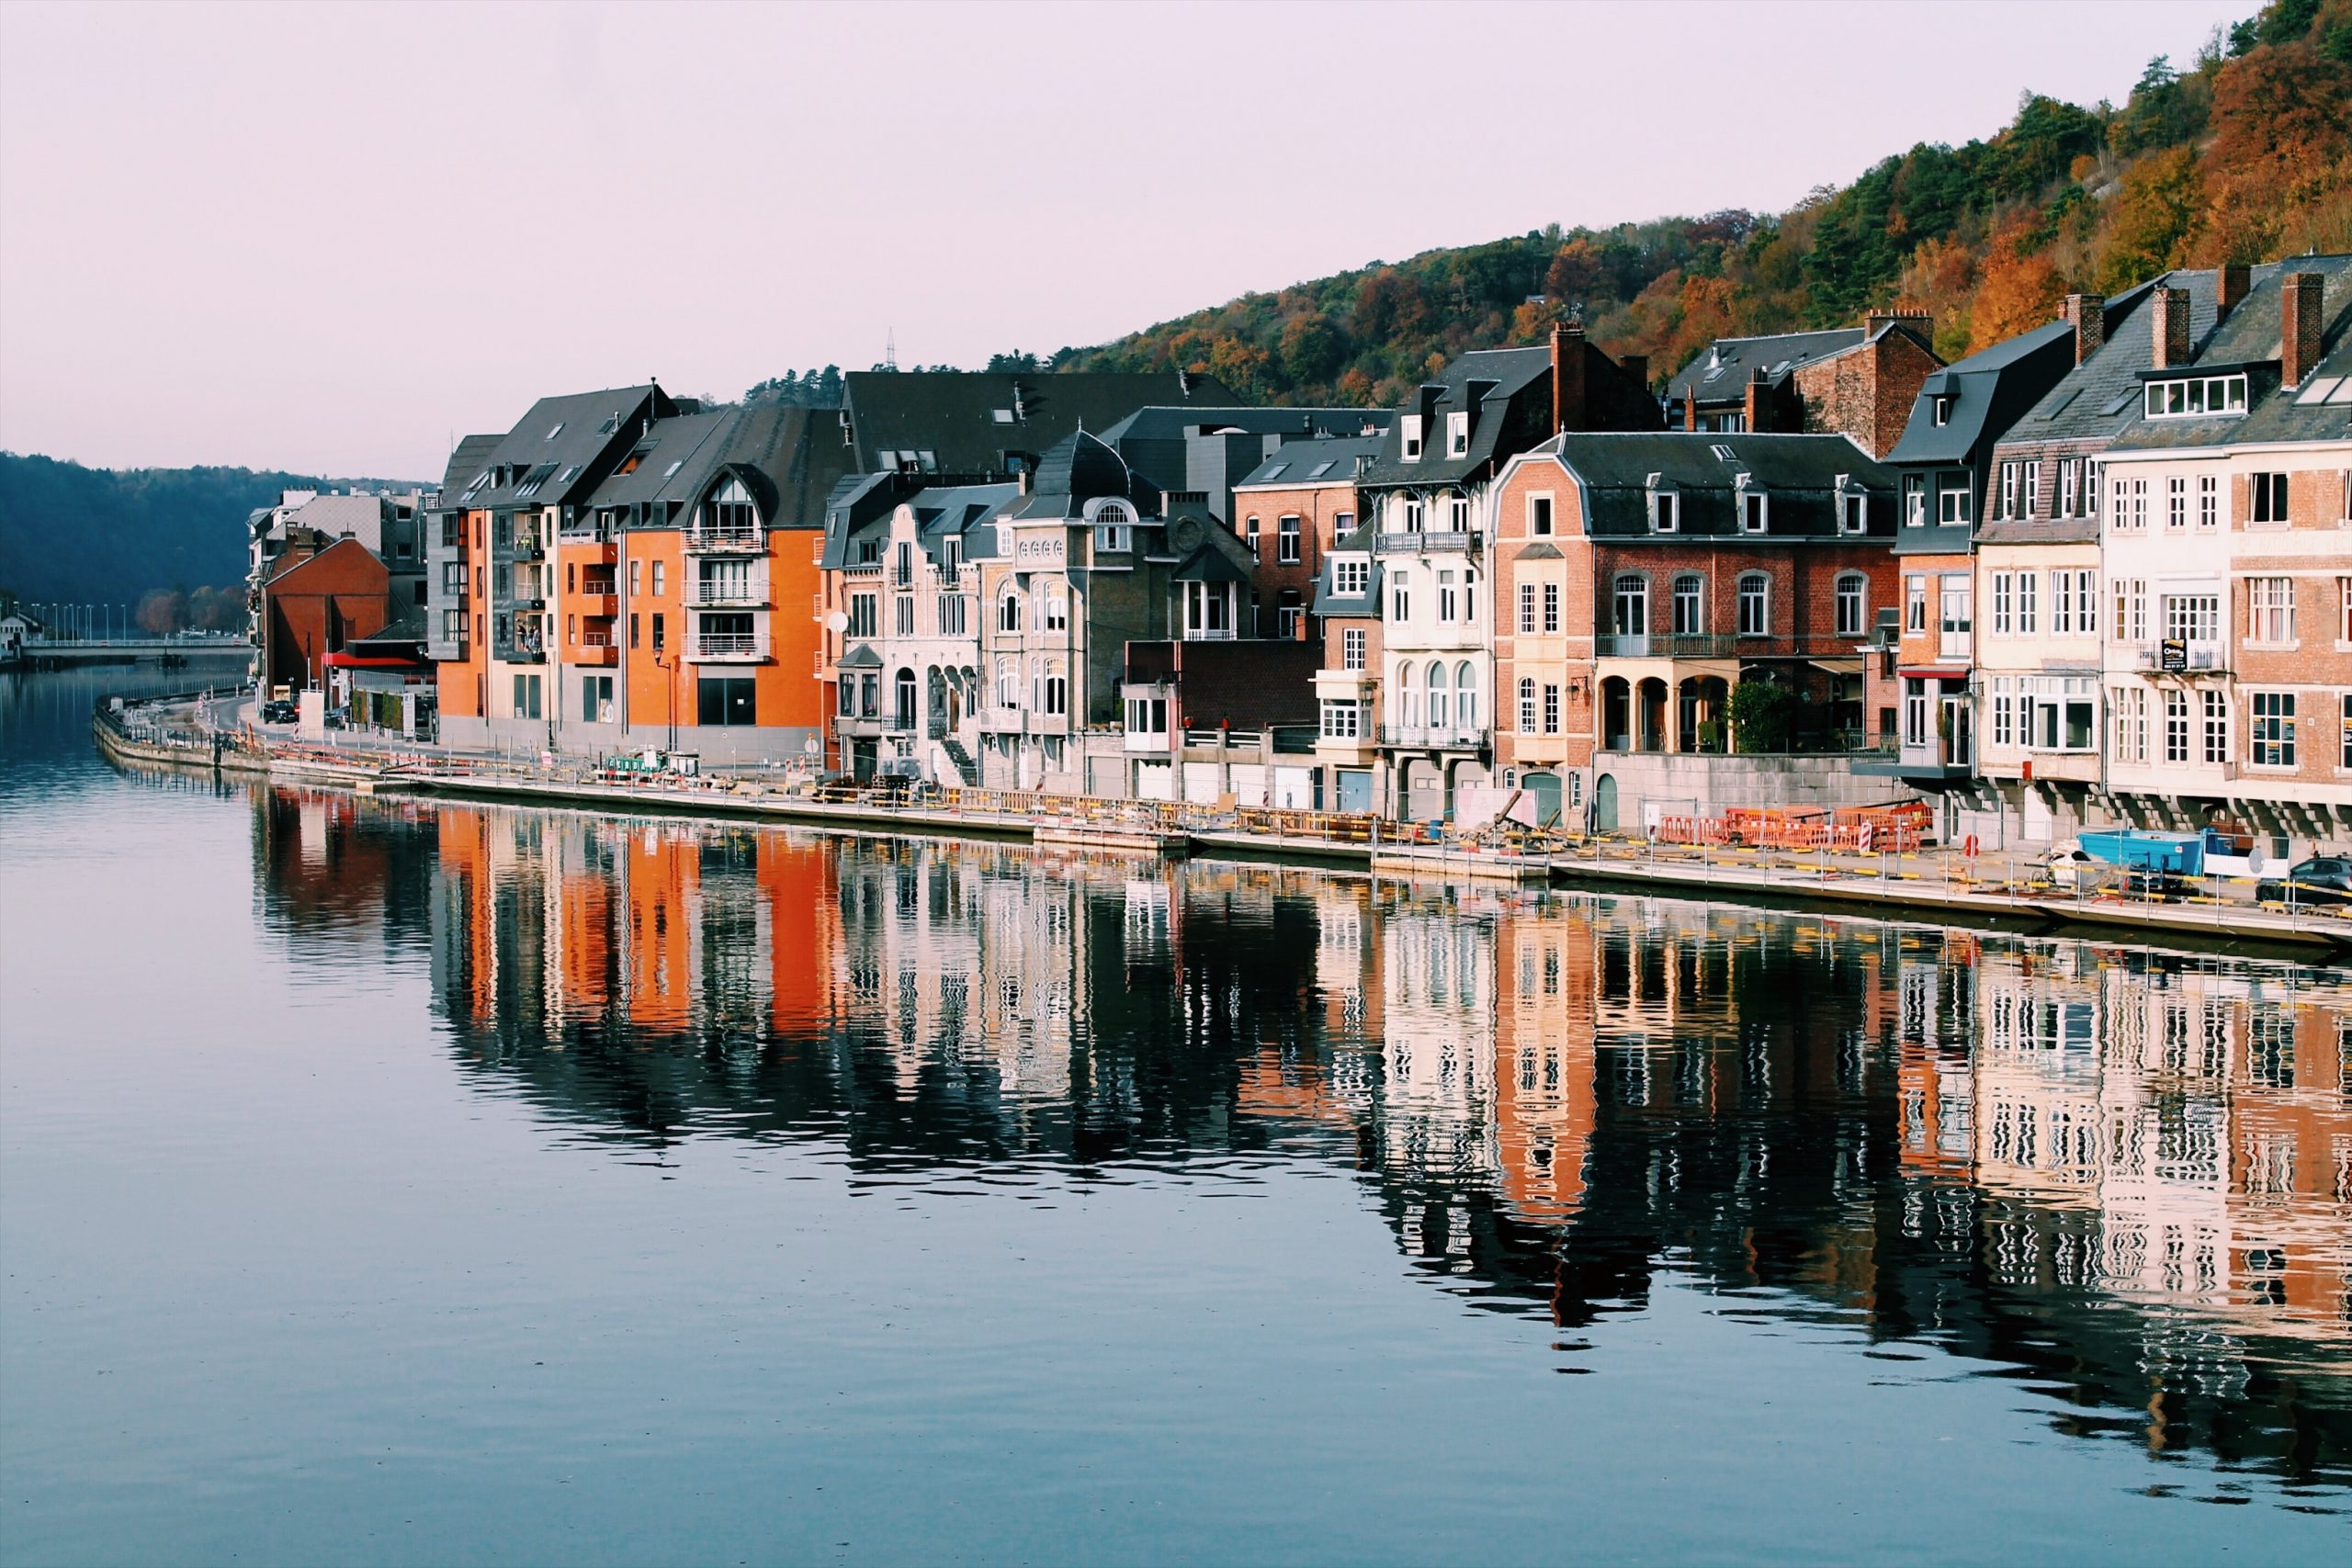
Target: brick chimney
(1567, 377)
(2234, 280)
(1637, 368)
(2087, 314)
(1690, 408)
(1758, 407)
(1921, 325)
(2299, 320)
(2169, 321)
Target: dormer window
(1754, 507)
(1410, 426)
(1350, 576)
(2196, 395)
(1940, 407)
(1457, 435)
(1112, 521)
(1666, 506)
(1853, 506)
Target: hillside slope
(105, 536)
(2246, 155)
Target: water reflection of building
(2130, 1174)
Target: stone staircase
(967, 774)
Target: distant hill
(107, 536)
(2245, 154)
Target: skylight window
(612, 422)
(2060, 406)
(1004, 416)
(570, 472)
(557, 431)
(2317, 392)
(672, 471)
(1277, 471)
(1722, 454)
(1319, 470)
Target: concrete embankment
(1127, 829)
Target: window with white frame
(1457, 435)
(1551, 709)
(2272, 737)
(2004, 723)
(1249, 537)
(1755, 508)
(2191, 618)
(2209, 501)
(903, 613)
(1416, 515)
(1400, 598)
(1008, 611)
(2062, 603)
(2194, 396)
(2216, 709)
(1957, 618)
(2070, 486)
(1915, 501)
(2031, 497)
(1457, 512)
(1447, 604)
(2270, 610)
(2130, 738)
(2094, 482)
(2006, 505)
(2059, 713)
(1352, 645)
(1953, 500)
(1054, 698)
(2131, 505)
(1349, 578)
(1853, 510)
(1689, 604)
(1526, 706)
(1539, 515)
(1631, 601)
(2176, 502)
(1008, 684)
(1665, 511)
(2268, 494)
(1409, 433)
(2344, 609)
(1527, 607)
(2029, 602)
(1853, 603)
(1551, 607)
(1914, 602)
(2004, 604)
(1342, 718)
(2130, 609)
(1286, 541)
(2176, 725)
(1755, 604)
(1147, 716)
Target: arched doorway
(903, 694)
(1544, 792)
(1651, 737)
(1604, 804)
(1616, 715)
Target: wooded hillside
(2241, 155)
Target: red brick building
(1290, 511)
(319, 598)
(1858, 382)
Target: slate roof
(1081, 468)
(955, 511)
(1721, 373)
(1798, 473)
(860, 656)
(1162, 422)
(789, 458)
(1209, 564)
(471, 457)
(1486, 381)
(954, 415)
(1989, 391)
(2249, 336)
(564, 446)
(1331, 460)
(862, 505)
(1364, 603)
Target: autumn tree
(162, 613)
(2019, 290)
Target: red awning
(358, 661)
(1933, 674)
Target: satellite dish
(837, 622)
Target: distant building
(1857, 381)
(992, 424)
(322, 595)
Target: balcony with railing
(736, 593)
(1435, 736)
(594, 652)
(730, 647)
(2195, 656)
(1722, 645)
(709, 538)
(1449, 542)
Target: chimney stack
(1690, 408)
(1920, 321)
(1567, 377)
(1637, 368)
(2235, 280)
(2087, 313)
(2170, 328)
(2299, 320)
(1758, 407)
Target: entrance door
(1604, 804)
(1544, 792)
(1355, 789)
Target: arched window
(1438, 695)
(904, 686)
(1689, 604)
(731, 511)
(1526, 706)
(1853, 603)
(1008, 684)
(1409, 699)
(1632, 604)
(1008, 611)
(1466, 697)
(1415, 513)
(1112, 513)
(1755, 604)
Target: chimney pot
(2300, 301)
(2170, 328)
(2087, 313)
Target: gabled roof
(1163, 423)
(2249, 338)
(1297, 464)
(1485, 383)
(293, 565)
(1798, 474)
(1209, 564)
(957, 511)
(967, 420)
(788, 458)
(860, 656)
(564, 446)
(1721, 371)
(471, 456)
(1988, 392)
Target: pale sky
(324, 238)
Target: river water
(390, 1182)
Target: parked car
(279, 713)
(2322, 879)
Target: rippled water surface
(383, 1181)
